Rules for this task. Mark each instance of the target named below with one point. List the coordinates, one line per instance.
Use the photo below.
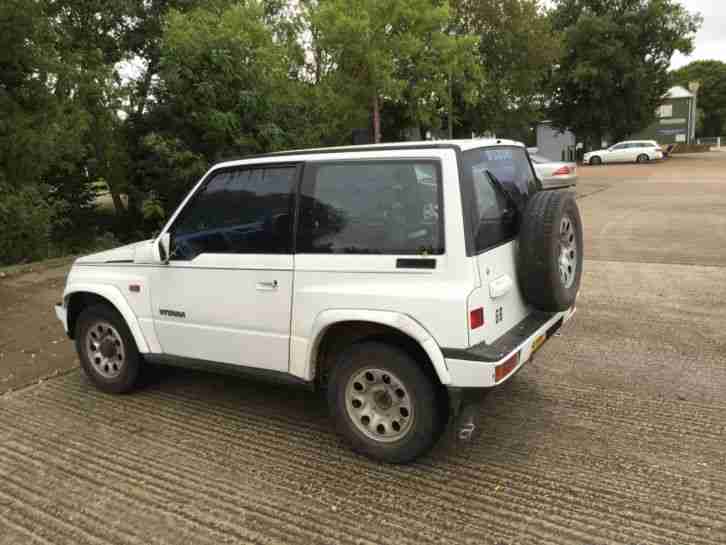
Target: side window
(239, 211)
(495, 214)
(371, 207)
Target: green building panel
(669, 129)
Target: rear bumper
(559, 182)
(62, 314)
(486, 366)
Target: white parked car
(554, 174)
(402, 280)
(635, 151)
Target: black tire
(595, 160)
(428, 411)
(643, 158)
(541, 247)
(123, 377)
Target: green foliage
(24, 224)
(220, 79)
(711, 95)
(517, 49)
(169, 170)
(31, 118)
(614, 69)
(397, 50)
(221, 71)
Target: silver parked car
(554, 174)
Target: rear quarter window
(371, 207)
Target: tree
(224, 80)
(395, 50)
(517, 49)
(31, 117)
(614, 70)
(711, 94)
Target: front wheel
(384, 404)
(594, 161)
(109, 356)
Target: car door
(495, 236)
(631, 153)
(616, 154)
(643, 148)
(226, 293)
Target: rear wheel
(384, 404)
(595, 160)
(643, 158)
(107, 350)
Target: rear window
(371, 207)
(496, 212)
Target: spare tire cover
(550, 251)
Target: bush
(24, 224)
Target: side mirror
(162, 248)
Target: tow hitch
(467, 422)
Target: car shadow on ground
(509, 426)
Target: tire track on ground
(262, 419)
(5, 519)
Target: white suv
(404, 280)
(635, 151)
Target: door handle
(267, 286)
(500, 286)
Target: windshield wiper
(506, 192)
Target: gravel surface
(615, 434)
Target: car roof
(635, 141)
(462, 145)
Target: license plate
(538, 342)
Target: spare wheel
(550, 251)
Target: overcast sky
(711, 39)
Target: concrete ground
(615, 434)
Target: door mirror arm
(162, 246)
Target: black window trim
(466, 187)
(307, 187)
(468, 200)
(293, 191)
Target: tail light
(476, 318)
(562, 171)
(502, 370)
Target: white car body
(631, 151)
(554, 174)
(271, 312)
